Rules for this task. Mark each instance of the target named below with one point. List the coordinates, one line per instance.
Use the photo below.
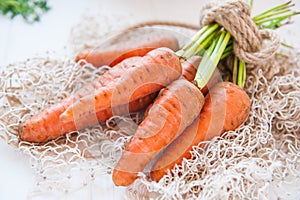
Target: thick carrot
(174, 109)
(133, 81)
(226, 107)
(137, 46)
(150, 74)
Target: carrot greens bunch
(214, 43)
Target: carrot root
(136, 46)
(110, 94)
(174, 109)
(226, 107)
(149, 74)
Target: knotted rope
(234, 16)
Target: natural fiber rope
(163, 23)
(234, 16)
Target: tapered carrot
(150, 74)
(133, 82)
(46, 125)
(226, 107)
(174, 109)
(137, 46)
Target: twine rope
(163, 23)
(235, 17)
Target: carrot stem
(244, 73)
(211, 59)
(241, 74)
(227, 51)
(205, 44)
(280, 18)
(276, 8)
(271, 14)
(195, 38)
(286, 45)
(235, 69)
(201, 42)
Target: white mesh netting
(257, 161)
(260, 160)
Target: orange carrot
(174, 109)
(226, 107)
(46, 125)
(137, 46)
(150, 74)
(133, 81)
(190, 66)
(189, 69)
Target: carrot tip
(81, 56)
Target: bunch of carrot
(226, 107)
(128, 86)
(180, 115)
(131, 83)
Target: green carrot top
(214, 43)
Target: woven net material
(67, 163)
(258, 160)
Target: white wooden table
(19, 40)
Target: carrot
(46, 125)
(189, 69)
(150, 74)
(226, 107)
(133, 81)
(137, 46)
(190, 66)
(174, 109)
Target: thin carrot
(226, 107)
(175, 108)
(132, 81)
(137, 46)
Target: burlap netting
(258, 160)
